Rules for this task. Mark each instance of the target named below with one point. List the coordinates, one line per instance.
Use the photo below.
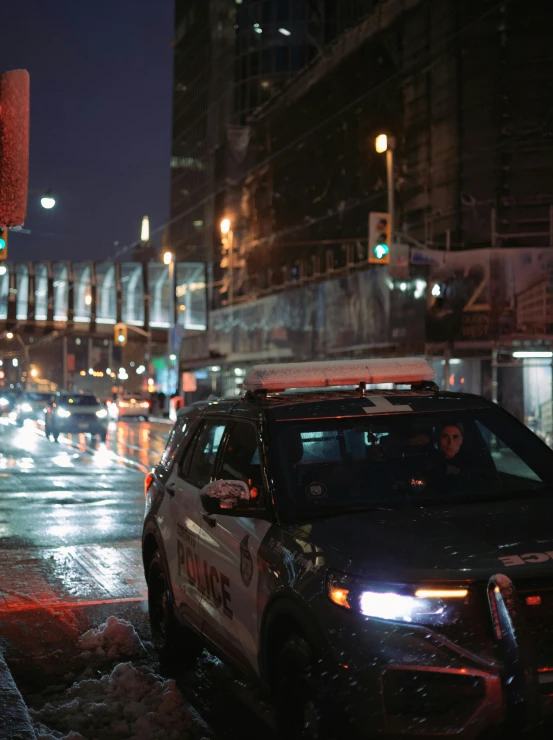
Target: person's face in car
(451, 440)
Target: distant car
(7, 402)
(74, 413)
(31, 406)
(130, 405)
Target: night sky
(101, 78)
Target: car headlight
(4, 402)
(26, 408)
(425, 605)
(64, 413)
(102, 413)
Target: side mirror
(224, 495)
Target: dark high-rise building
(230, 57)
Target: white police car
(381, 560)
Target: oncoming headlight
(4, 402)
(26, 408)
(64, 413)
(397, 603)
(102, 413)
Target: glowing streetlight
(225, 226)
(145, 230)
(47, 201)
(34, 372)
(167, 258)
(9, 335)
(87, 300)
(384, 143)
(381, 143)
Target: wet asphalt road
(70, 526)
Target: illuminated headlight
(4, 402)
(64, 413)
(396, 603)
(102, 413)
(26, 408)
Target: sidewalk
(15, 722)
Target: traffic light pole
(390, 178)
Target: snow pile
(131, 702)
(112, 640)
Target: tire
(304, 709)
(170, 640)
(103, 436)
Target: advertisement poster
(487, 294)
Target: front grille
(539, 617)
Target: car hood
(466, 541)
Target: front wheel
(304, 708)
(168, 639)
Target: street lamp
(15, 363)
(47, 201)
(228, 239)
(384, 143)
(167, 258)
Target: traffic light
(380, 238)
(120, 334)
(3, 243)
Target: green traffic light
(2, 244)
(381, 250)
(121, 338)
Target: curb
(15, 721)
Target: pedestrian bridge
(151, 296)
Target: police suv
(376, 552)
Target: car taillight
(148, 482)
(144, 404)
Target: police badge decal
(246, 563)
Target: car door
(188, 476)
(228, 550)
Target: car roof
(337, 403)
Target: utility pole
(64, 360)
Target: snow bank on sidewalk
(131, 702)
(128, 702)
(114, 639)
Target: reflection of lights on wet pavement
(103, 455)
(26, 463)
(26, 438)
(63, 460)
(62, 530)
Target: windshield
(38, 396)
(332, 466)
(79, 401)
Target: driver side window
(241, 460)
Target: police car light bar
(280, 377)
